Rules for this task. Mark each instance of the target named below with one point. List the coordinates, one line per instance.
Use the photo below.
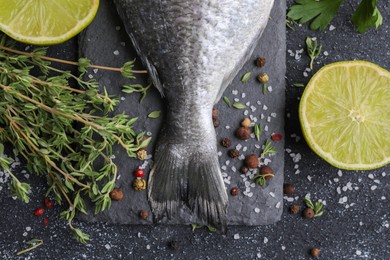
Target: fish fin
(148, 64)
(207, 196)
(178, 177)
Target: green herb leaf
(258, 131)
(298, 85)
(195, 226)
(154, 114)
(320, 12)
(260, 180)
(309, 203)
(211, 229)
(34, 242)
(367, 15)
(227, 101)
(246, 77)
(312, 50)
(238, 105)
(268, 149)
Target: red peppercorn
(308, 213)
(46, 221)
(234, 191)
(39, 212)
(139, 173)
(48, 203)
(276, 137)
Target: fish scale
(192, 50)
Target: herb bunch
(59, 123)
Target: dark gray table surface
(356, 223)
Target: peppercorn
(46, 222)
(246, 122)
(315, 252)
(139, 184)
(173, 245)
(116, 194)
(226, 142)
(267, 172)
(294, 209)
(142, 154)
(260, 62)
(308, 213)
(216, 122)
(233, 153)
(39, 212)
(252, 161)
(263, 77)
(235, 191)
(143, 214)
(244, 169)
(276, 137)
(48, 203)
(215, 113)
(288, 188)
(243, 133)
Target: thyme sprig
(268, 149)
(60, 124)
(313, 50)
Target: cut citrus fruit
(45, 22)
(345, 115)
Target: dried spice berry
(276, 137)
(143, 214)
(48, 203)
(216, 122)
(46, 222)
(288, 188)
(173, 245)
(139, 173)
(215, 113)
(308, 213)
(252, 161)
(294, 209)
(39, 212)
(260, 62)
(243, 133)
(246, 122)
(267, 172)
(226, 142)
(142, 154)
(116, 194)
(315, 252)
(235, 191)
(244, 169)
(234, 153)
(139, 184)
(263, 77)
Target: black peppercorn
(260, 62)
(234, 153)
(226, 142)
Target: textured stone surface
(105, 42)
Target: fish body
(192, 49)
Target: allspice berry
(215, 113)
(252, 161)
(143, 214)
(308, 213)
(234, 153)
(288, 188)
(267, 172)
(260, 62)
(315, 252)
(294, 209)
(243, 133)
(216, 122)
(246, 122)
(244, 169)
(116, 194)
(139, 184)
(226, 142)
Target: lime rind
(353, 146)
(42, 37)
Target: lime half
(45, 22)
(345, 115)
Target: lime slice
(345, 115)
(45, 22)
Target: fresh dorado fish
(192, 49)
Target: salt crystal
(305, 74)
(257, 146)
(248, 103)
(237, 99)
(262, 116)
(373, 187)
(116, 52)
(147, 247)
(257, 210)
(246, 112)
(245, 149)
(326, 53)
(269, 88)
(265, 240)
(90, 76)
(28, 229)
(283, 248)
(253, 185)
(219, 153)
(273, 114)
(266, 128)
(338, 190)
(272, 194)
(258, 102)
(371, 176)
(107, 246)
(250, 194)
(268, 119)
(226, 181)
(139, 234)
(277, 205)
(258, 255)
(297, 171)
(377, 181)
(340, 173)
(227, 162)
(265, 107)
(238, 147)
(227, 127)
(234, 92)
(331, 28)
(358, 252)
(247, 184)
(309, 177)
(383, 198)
(224, 174)
(336, 179)
(243, 95)
(223, 167)
(25, 234)
(267, 161)
(383, 174)
(234, 169)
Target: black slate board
(106, 42)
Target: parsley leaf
(321, 12)
(367, 15)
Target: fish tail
(180, 177)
